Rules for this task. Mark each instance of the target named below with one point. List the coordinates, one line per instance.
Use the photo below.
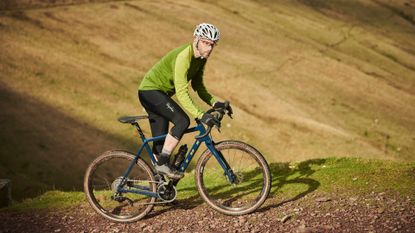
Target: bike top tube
(198, 128)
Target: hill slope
(307, 79)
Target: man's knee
(180, 126)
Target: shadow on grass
(282, 175)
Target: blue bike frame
(183, 166)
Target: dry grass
(307, 79)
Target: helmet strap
(197, 47)
(197, 44)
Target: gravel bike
(231, 176)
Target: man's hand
(210, 120)
(223, 105)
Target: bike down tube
(194, 148)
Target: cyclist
(172, 75)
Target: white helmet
(207, 31)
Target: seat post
(139, 130)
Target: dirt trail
(375, 212)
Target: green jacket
(172, 75)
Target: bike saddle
(131, 119)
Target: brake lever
(228, 109)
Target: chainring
(167, 192)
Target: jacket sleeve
(181, 84)
(199, 87)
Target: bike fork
(222, 161)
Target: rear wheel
(103, 178)
(253, 178)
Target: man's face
(205, 47)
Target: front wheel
(252, 183)
(104, 178)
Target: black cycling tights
(161, 110)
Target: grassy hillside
(307, 79)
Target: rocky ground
(374, 212)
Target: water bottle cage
(180, 156)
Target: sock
(166, 152)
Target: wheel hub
(239, 177)
(115, 184)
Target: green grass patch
(350, 176)
(50, 199)
(343, 176)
